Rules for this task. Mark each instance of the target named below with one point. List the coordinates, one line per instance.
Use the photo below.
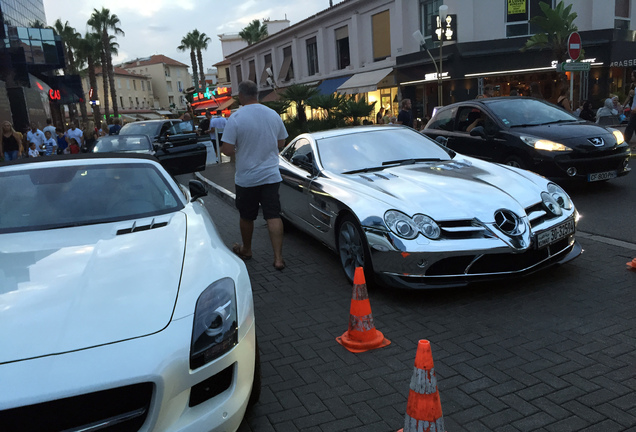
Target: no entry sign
(574, 45)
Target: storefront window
(622, 14)
(518, 16)
(428, 9)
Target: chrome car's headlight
(560, 196)
(551, 204)
(618, 135)
(401, 224)
(544, 144)
(427, 226)
(215, 328)
(408, 228)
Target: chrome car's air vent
(464, 229)
(375, 176)
(135, 228)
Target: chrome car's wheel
(351, 246)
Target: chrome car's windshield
(38, 198)
(528, 112)
(123, 143)
(377, 149)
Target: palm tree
(299, 94)
(356, 109)
(254, 32)
(103, 21)
(202, 41)
(328, 103)
(556, 25)
(38, 24)
(189, 42)
(89, 50)
(70, 39)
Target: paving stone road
(551, 352)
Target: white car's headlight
(544, 144)
(618, 135)
(408, 228)
(215, 328)
(560, 196)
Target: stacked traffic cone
(424, 408)
(632, 264)
(362, 334)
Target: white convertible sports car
(120, 307)
(416, 214)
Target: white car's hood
(68, 289)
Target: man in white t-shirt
(35, 136)
(255, 134)
(75, 132)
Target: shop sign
(444, 31)
(573, 67)
(54, 94)
(516, 7)
(624, 63)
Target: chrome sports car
(416, 214)
(120, 307)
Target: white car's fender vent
(213, 386)
(135, 228)
(121, 409)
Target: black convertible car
(532, 134)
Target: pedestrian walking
(75, 133)
(11, 145)
(49, 127)
(34, 135)
(405, 117)
(255, 134)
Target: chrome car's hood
(464, 188)
(68, 289)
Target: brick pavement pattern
(553, 352)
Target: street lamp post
(443, 11)
(417, 35)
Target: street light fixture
(443, 12)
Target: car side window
(469, 118)
(444, 120)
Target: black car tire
(515, 161)
(352, 248)
(255, 394)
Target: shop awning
(364, 82)
(129, 118)
(149, 116)
(273, 96)
(226, 105)
(329, 86)
(164, 112)
(212, 105)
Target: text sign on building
(574, 45)
(446, 31)
(516, 7)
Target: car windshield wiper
(525, 125)
(410, 161)
(559, 121)
(365, 170)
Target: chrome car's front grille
(121, 409)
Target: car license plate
(606, 175)
(555, 234)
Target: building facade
(169, 79)
(22, 13)
(367, 47)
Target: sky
(157, 26)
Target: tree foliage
(254, 32)
(556, 26)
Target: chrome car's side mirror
(442, 140)
(303, 161)
(197, 190)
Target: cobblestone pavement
(551, 352)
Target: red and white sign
(574, 45)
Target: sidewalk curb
(221, 192)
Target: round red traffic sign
(574, 45)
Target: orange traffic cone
(423, 408)
(632, 264)
(362, 335)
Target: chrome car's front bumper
(422, 263)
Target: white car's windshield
(37, 198)
(123, 143)
(528, 112)
(377, 148)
